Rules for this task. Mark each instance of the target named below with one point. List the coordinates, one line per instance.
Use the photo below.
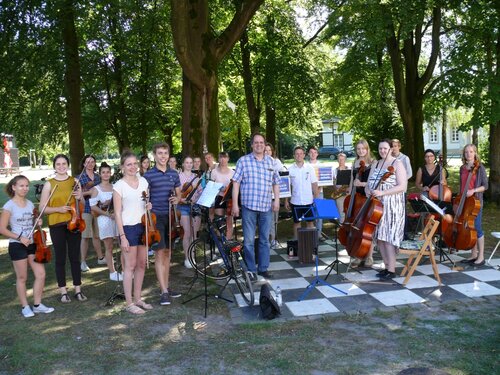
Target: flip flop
(65, 298)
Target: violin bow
(42, 210)
(146, 199)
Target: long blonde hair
(476, 156)
(365, 144)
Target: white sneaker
(27, 312)
(102, 260)
(274, 244)
(115, 276)
(151, 253)
(84, 267)
(42, 309)
(187, 264)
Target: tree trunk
(271, 124)
(493, 192)
(444, 136)
(253, 109)
(72, 86)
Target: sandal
(134, 309)
(65, 298)
(80, 296)
(144, 305)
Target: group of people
(113, 211)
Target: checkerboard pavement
(364, 290)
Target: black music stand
(321, 209)
(118, 291)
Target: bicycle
(225, 261)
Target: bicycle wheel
(206, 263)
(240, 275)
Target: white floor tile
(418, 282)
(427, 269)
(311, 307)
(293, 283)
(349, 288)
(485, 275)
(241, 302)
(276, 266)
(368, 275)
(311, 271)
(397, 297)
(476, 289)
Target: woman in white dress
(101, 204)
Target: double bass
(352, 204)
(363, 226)
(461, 232)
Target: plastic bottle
(279, 299)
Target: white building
(332, 136)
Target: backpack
(268, 306)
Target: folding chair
(496, 235)
(424, 246)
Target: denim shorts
(184, 209)
(134, 234)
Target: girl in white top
(223, 174)
(101, 205)
(16, 223)
(129, 207)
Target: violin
(227, 196)
(461, 233)
(42, 252)
(76, 224)
(352, 204)
(364, 224)
(188, 187)
(151, 236)
(176, 231)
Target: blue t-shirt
(161, 186)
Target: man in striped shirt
(257, 180)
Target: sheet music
(434, 206)
(209, 194)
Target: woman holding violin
(478, 184)
(64, 209)
(430, 174)
(190, 223)
(387, 183)
(223, 174)
(129, 209)
(359, 179)
(88, 179)
(16, 223)
(101, 204)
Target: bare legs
(21, 270)
(388, 252)
(134, 269)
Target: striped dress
(391, 226)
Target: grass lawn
(459, 337)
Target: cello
(440, 192)
(363, 226)
(352, 204)
(461, 233)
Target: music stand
(343, 177)
(321, 209)
(118, 291)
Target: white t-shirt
(21, 218)
(133, 206)
(301, 180)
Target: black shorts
(218, 202)
(18, 251)
(301, 213)
(162, 225)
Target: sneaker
(101, 261)
(274, 244)
(164, 299)
(368, 261)
(27, 312)
(382, 273)
(355, 263)
(151, 253)
(388, 276)
(173, 293)
(187, 264)
(115, 276)
(42, 309)
(84, 267)
(252, 276)
(265, 274)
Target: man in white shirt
(304, 184)
(313, 160)
(396, 147)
